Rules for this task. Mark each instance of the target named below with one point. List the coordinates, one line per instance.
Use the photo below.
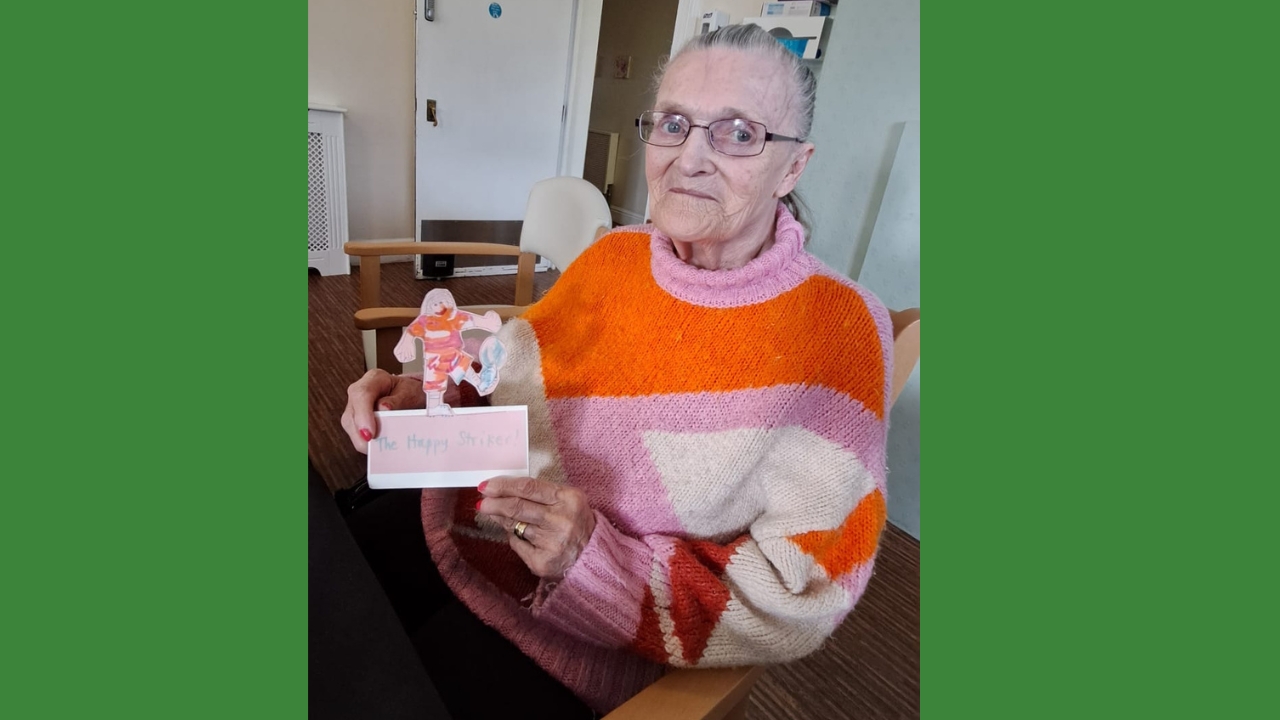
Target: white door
(497, 73)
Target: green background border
(1097, 269)
(1096, 250)
(155, 558)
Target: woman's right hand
(378, 390)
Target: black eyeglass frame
(768, 136)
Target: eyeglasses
(732, 136)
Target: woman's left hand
(560, 521)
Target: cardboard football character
(440, 328)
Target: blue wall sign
(495, 10)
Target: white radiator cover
(602, 159)
(326, 191)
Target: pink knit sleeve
(607, 584)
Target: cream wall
(868, 90)
(643, 31)
(360, 57)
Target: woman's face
(699, 195)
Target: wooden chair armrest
(902, 318)
(385, 317)
(690, 695)
(906, 348)
(506, 312)
(371, 272)
(395, 317)
(408, 247)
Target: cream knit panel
(773, 485)
(709, 479)
(521, 384)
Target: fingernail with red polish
(482, 484)
(366, 435)
(478, 505)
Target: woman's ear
(798, 163)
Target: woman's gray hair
(753, 38)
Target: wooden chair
(563, 217)
(721, 693)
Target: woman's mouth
(692, 193)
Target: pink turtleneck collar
(775, 271)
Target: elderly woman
(707, 410)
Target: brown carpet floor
(870, 668)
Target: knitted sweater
(728, 429)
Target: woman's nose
(695, 153)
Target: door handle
(431, 113)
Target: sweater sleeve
(772, 594)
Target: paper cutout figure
(440, 328)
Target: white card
(416, 450)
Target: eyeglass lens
(731, 136)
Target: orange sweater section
(775, 339)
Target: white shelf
(815, 29)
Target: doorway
(635, 38)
